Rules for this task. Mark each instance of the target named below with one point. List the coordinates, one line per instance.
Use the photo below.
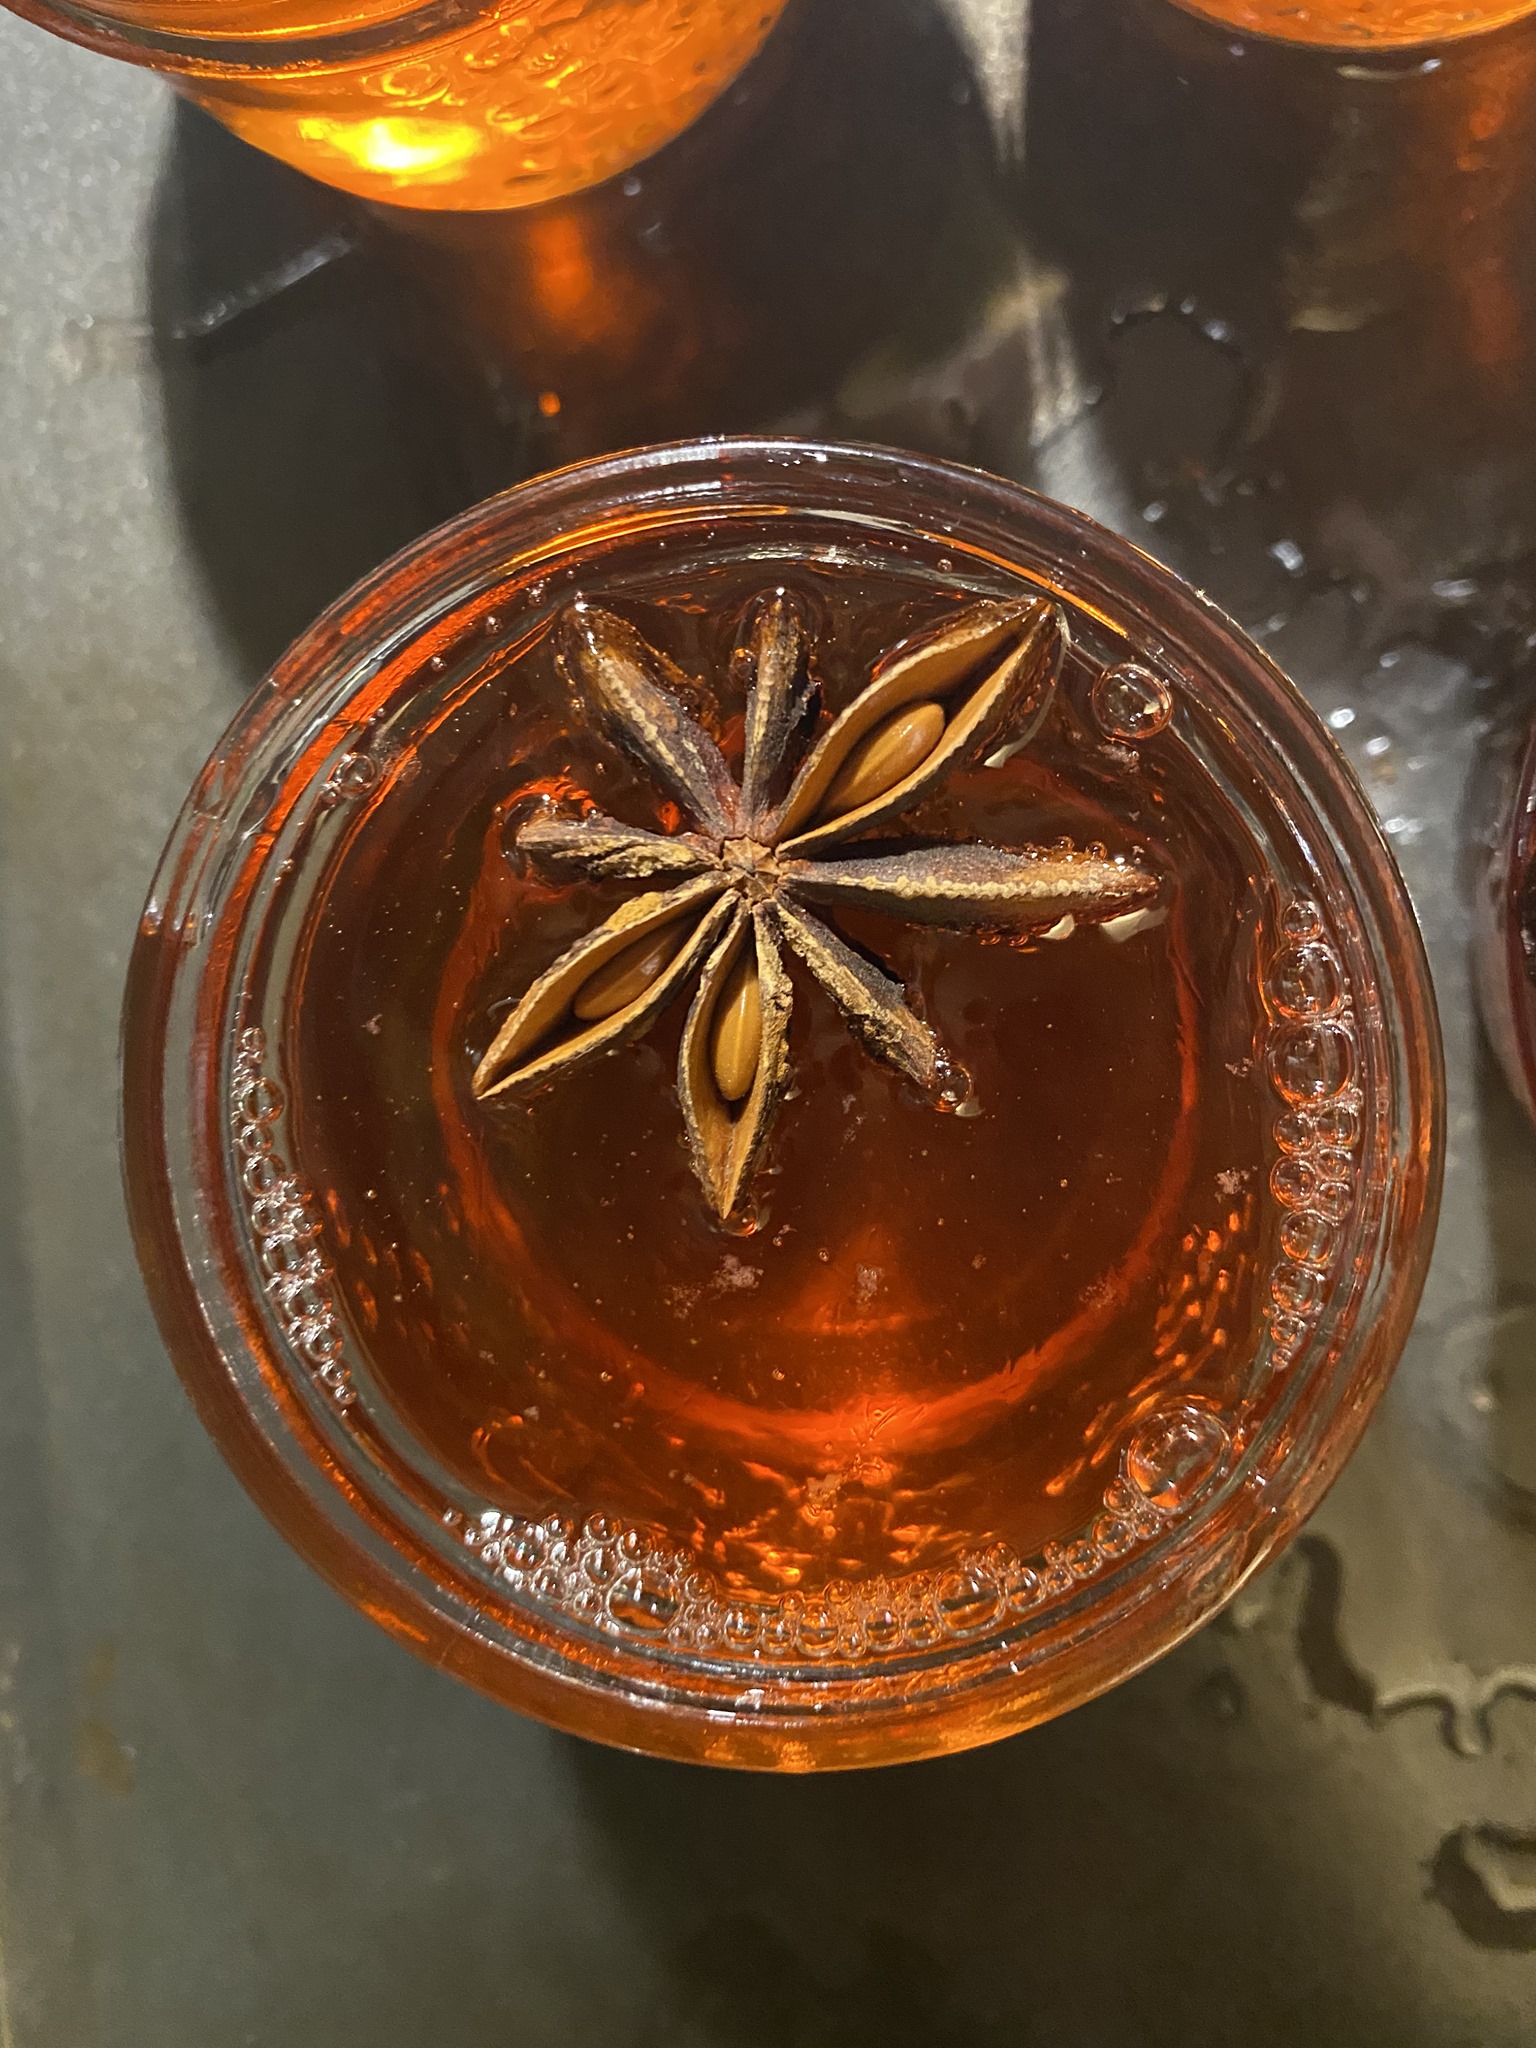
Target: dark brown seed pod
(599, 849)
(969, 887)
(632, 692)
(737, 890)
(873, 1004)
(543, 1036)
(780, 694)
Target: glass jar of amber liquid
(782, 1103)
(454, 103)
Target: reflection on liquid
(396, 146)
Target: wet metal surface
(1273, 315)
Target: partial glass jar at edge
(441, 105)
(806, 1497)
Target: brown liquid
(940, 1328)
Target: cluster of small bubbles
(1311, 1062)
(633, 1586)
(1131, 703)
(284, 1224)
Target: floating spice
(768, 859)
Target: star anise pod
(735, 891)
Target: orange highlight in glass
(531, 100)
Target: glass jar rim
(612, 1689)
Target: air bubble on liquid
(882, 1629)
(1305, 982)
(955, 1093)
(636, 1602)
(1292, 1182)
(261, 1102)
(1338, 1126)
(1301, 919)
(1131, 703)
(1298, 1290)
(1112, 1536)
(746, 1221)
(742, 1627)
(1287, 1334)
(1311, 1062)
(818, 1632)
(966, 1603)
(1021, 1588)
(1296, 1131)
(262, 1175)
(353, 775)
(1174, 1454)
(1309, 1239)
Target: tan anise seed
(736, 1034)
(629, 973)
(884, 757)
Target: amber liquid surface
(535, 99)
(936, 1331)
(1366, 24)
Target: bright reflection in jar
(397, 146)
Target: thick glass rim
(427, 1578)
